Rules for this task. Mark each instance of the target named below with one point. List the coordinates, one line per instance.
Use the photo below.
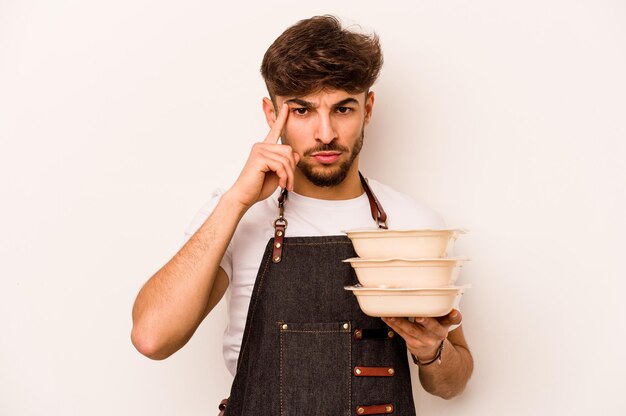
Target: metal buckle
(280, 219)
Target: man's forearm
(173, 302)
(448, 378)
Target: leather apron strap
(378, 213)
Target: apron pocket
(315, 368)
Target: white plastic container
(377, 243)
(402, 273)
(419, 302)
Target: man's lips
(326, 157)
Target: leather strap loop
(376, 409)
(374, 371)
(280, 224)
(279, 235)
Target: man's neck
(350, 188)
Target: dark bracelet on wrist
(436, 358)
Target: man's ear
(369, 106)
(270, 111)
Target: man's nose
(326, 132)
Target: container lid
(422, 260)
(403, 232)
(444, 289)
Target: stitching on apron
(349, 369)
(317, 244)
(281, 373)
(349, 372)
(268, 260)
(314, 331)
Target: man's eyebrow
(301, 102)
(346, 101)
(308, 104)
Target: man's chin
(325, 175)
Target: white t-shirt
(306, 217)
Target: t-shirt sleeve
(199, 219)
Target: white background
(118, 118)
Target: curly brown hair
(316, 54)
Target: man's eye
(300, 111)
(343, 110)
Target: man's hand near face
(269, 165)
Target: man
(296, 342)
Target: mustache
(328, 147)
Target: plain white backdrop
(118, 119)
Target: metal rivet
(277, 245)
(358, 334)
(277, 259)
(388, 409)
(360, 410)
(357, 371)
(390, 334)
(284, 326)
(279, 233)
(391, 371)
(346, 326)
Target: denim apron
(307, 348)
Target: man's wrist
(233, 203)
(435, 358)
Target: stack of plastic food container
(406, 273)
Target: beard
(327, 176)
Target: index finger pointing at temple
(277, 128)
